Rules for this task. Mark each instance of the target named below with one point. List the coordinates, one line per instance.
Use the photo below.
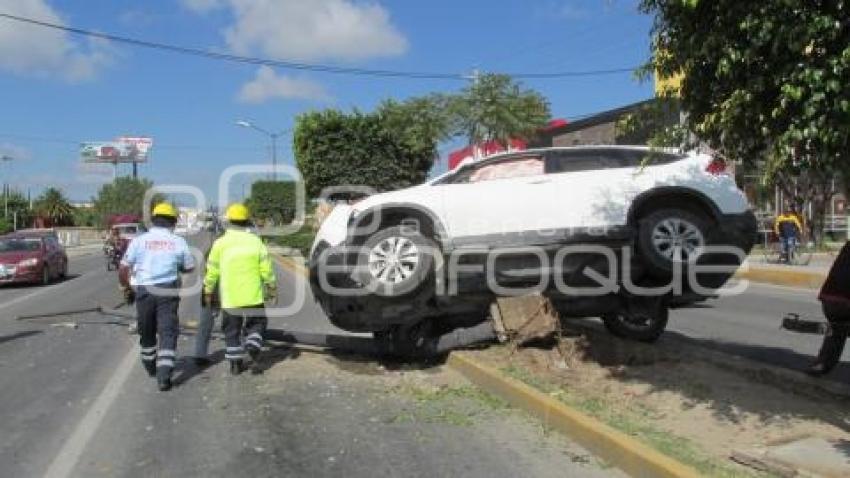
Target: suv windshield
(127, 230)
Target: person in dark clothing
(835, 300)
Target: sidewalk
(807, 277)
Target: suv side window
(581, 160)
(518, 167)
(571, 161)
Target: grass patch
(637, 424)
(458, 406)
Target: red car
(32, 257)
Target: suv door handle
(540, 181)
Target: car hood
(410, 194)
(17, 256)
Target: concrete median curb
(291, 264)
(777, 276)
(617, 448)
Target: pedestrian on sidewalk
(239, 264)
(835, 300)
(150, 274)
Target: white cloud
(33, 50)
(267, 85)
(309, 30)
(202, 6)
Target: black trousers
(156, 314)
(254, 321)
(837, 313)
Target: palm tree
(53, 207)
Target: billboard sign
(122, 150)
(141, 143)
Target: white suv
(533, 220)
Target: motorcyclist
(788, 229)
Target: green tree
(494, 107)
(393, 147)
(272, 202)
(763, 82)
(125, 195)
(85, 217)
(53, 207)
(15, 209)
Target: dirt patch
(695, 410)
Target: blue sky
(60, 89)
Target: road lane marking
(66, 460)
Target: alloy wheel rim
(677, 240)
(393, 260)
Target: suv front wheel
(397, 261)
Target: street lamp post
(272, 137)
(6, 160)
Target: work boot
(818, 369)
(235, 367)
(150, 368)
(164, 383)
(253, 352)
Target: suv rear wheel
(668, 236)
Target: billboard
(126, 149)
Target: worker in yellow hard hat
(239, 264)
(150, 273)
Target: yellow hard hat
(164, 209)
(237, 212)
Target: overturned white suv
(605, 231)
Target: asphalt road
(76, 402)
(748, 325)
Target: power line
(298, 65)
(47, 139)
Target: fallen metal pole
(99, 309)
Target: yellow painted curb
(789, 278)
(613, 446)
(292, 265)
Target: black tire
(412, 280)
(63, 271)
(658, 264)
(640, 325)
(45, 275)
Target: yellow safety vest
(240, 262)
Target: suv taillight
(717, 167)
